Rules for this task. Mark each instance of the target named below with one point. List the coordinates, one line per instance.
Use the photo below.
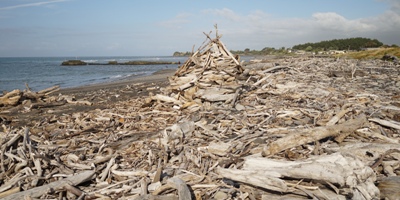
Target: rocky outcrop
(138, 62)
(73, 63)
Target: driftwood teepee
(209, 75)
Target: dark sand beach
(102, 96)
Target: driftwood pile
(291, 128)
(33, 99)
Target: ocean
(44, 72)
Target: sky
(160, 27)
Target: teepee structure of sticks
(209, 76)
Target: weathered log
(311, 135)
(183, 190)
(387, 123)
(36, 192)
(390, 187)
(346, 171)
(10, 98)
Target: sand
(156, 78)
(102, 96)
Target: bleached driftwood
(388, 123)
(345, 171)
(183, 190)
(39, 191)
(10, 98)
(186, 131)
(311, 135)
(390, 187)
(367, 152)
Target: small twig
(379, 161)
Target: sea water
(44, 72)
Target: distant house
(333, 52)
(300, 52)
(369, 49)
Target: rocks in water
(73, 63)
(136, 62)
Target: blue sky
(159, 28)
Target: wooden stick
(49, 90)
(143, 187)
(57, 185)
(274, 68)
(10, 192)
(183, 190)
(387, 123)
(11, 98)
(300, 137)
(337, 117)
(157, 176)
(106, 171)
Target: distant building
(300, 52)
(332, 52)
(369, 49)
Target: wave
(90, 61)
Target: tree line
(354, 44)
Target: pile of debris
(300, 128)
(209, 75)
(33, 99)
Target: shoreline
(100, 95)
(156, 77)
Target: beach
(101, 95)
(157, 78)
(212, 130)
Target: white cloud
(259, 29)
(335, 22)
(32, 4)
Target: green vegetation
(326, 47)
(354, 44)
(264, 51)
(373, 54)
(247, 51)
(73, 63)
(187, 53)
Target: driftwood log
(37, 192)
(37, 100)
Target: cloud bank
(258, 29)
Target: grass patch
(373, 54)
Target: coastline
(156, 77)
(100, 95)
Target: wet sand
(102, 96)
(156, 78)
